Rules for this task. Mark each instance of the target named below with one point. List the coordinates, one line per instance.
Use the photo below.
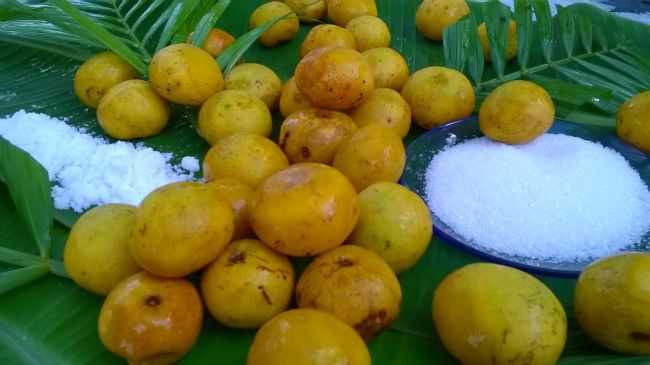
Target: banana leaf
(52, 321)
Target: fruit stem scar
(152, 301)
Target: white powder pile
(559, 198)
(90, 171)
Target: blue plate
(421, 151)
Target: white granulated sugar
(87, 170)
(190, 164)
(559, 198)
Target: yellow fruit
(292, 100)
(387, 108)
(632, 124)
(395, 223)
(389, 68)
(248, 285)
(438, 95)
(98, 75)
(433, 16)
(342, 11)
(516, 112)
(216, 42)
(493, 314)
(308, 10)
(240, 198)
(185, 74)
(97, 255)
(355, 285)
(327, 35)
(314, 135)
(131, 110)
(180, 228)
(257, 80)
(373, 154)
(511, 50)
(282, 31)
(304, 210)
(246, 157)
(334, 78)
(611, 302)
(369, 32)
(233, 111)
(307, 337)
(151, 321)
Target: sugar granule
(87, 170)
(559, 198)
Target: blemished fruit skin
(247, 285)
(439, 95)
(132, 109)
(99, 74)
(516, 112)
(314, 135)
(327, 35)
(342, 11)
(369, 32)
(151, 321)
(257, 80)
(180, 228)
(304, 210)
(612, 298)
(633, 123)
(334, 78)
(433, 16)
(395, 223)
(355, 285)
(240, 197)
(292, 100)
(185, 74)
(280, 32)
(511, 50)
(97, 255)
(308, 10)
(385, 107)
(307, 337)
(388, 67)
(492, 314)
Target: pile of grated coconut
(87, 170)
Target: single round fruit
(307, 337)
(308, 10)
(389, 68)
(511, 50)
(327, 35)
(131, 110)
(233, 111)
(248, 285)
(516, 112)
(369, 32)
(439, 95)
(342, 11)
(185, 74)
(150, 320)
(334, 78)
(246, 157)
(387, 108)
(240, 197)
(98, 75)
(355, 285)
(180, 228)
(97, 255)
(632, 123)
(314, 135)
(292, 100)
(493, 314)
(395, 223)
(282, 31)
(611, 303)
(304, 210)
(433, 16)
(216, 42)
(373, 154)
(257, 80)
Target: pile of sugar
(90, 171)
(559, 198)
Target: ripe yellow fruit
(256, 80)
(304, 210)
(387, 108)
(216, 42)
(282, 31)
(511, 50)
(369, 32)
(97, 255)
(342, 11)
(308, 10)
(247, 285)
(98, 75)
(307, 337)
(240, 197)
(185, 74)
(327, 35)
(292, 100)
(389, 68)
(433, 16)
(632, 123)
(516, 112)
